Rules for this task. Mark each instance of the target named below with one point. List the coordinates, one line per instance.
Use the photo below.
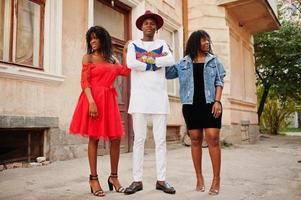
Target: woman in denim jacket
(201, 77)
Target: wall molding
(242, 102)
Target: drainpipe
(185, 21)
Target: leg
(139, 126)
(196, 136)
(159, 132)
(114, 157)
(213, 141)
(92, 156)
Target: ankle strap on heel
(114, 175)
(92, 177)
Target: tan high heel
(98, 193)
(200, 188)
(215, 187)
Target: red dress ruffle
(100, 78)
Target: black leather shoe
(165, 187)
(134, 187)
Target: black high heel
(98, 193)
(112, 186)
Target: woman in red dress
(96, 114)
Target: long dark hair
(105, 41)
(193, 43)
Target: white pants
(159, 133)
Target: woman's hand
(93, 110)
(216, 109)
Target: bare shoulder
(86, 59)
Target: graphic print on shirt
(145, 56)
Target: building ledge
(27, 74)
(256, 16)
(242, 103)
(28, 122)
(174, 98)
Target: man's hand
(164, 53)
(152, 67)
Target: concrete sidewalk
(267, 170)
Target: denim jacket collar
(208, 57)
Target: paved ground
(268, 170)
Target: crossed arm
(149, 62)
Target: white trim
(242, 102)
(6, 30)
(21, 73)
(36, 35)
(131, 3)
(172, 26)
(14, 33)
(58, 36)
(47, 28)
(137, 10)
(90, 13)
(180, 40)
(173, 92)
(53, 37)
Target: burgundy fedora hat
(149, 14)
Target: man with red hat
(148, 57)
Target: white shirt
(148, 88)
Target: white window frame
(177, 35)
(6, 34)
(6, 30)
(52, 64)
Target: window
(22, 32)
(31, 40)
(106, 16)
(171, 38)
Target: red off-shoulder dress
(100, 78)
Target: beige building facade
(42, 44)
(232, 24)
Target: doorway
(116, 20)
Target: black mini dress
(199, 114)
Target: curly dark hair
(193, 43)
(105, 41)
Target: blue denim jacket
(214, 74)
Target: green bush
(276, 114)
